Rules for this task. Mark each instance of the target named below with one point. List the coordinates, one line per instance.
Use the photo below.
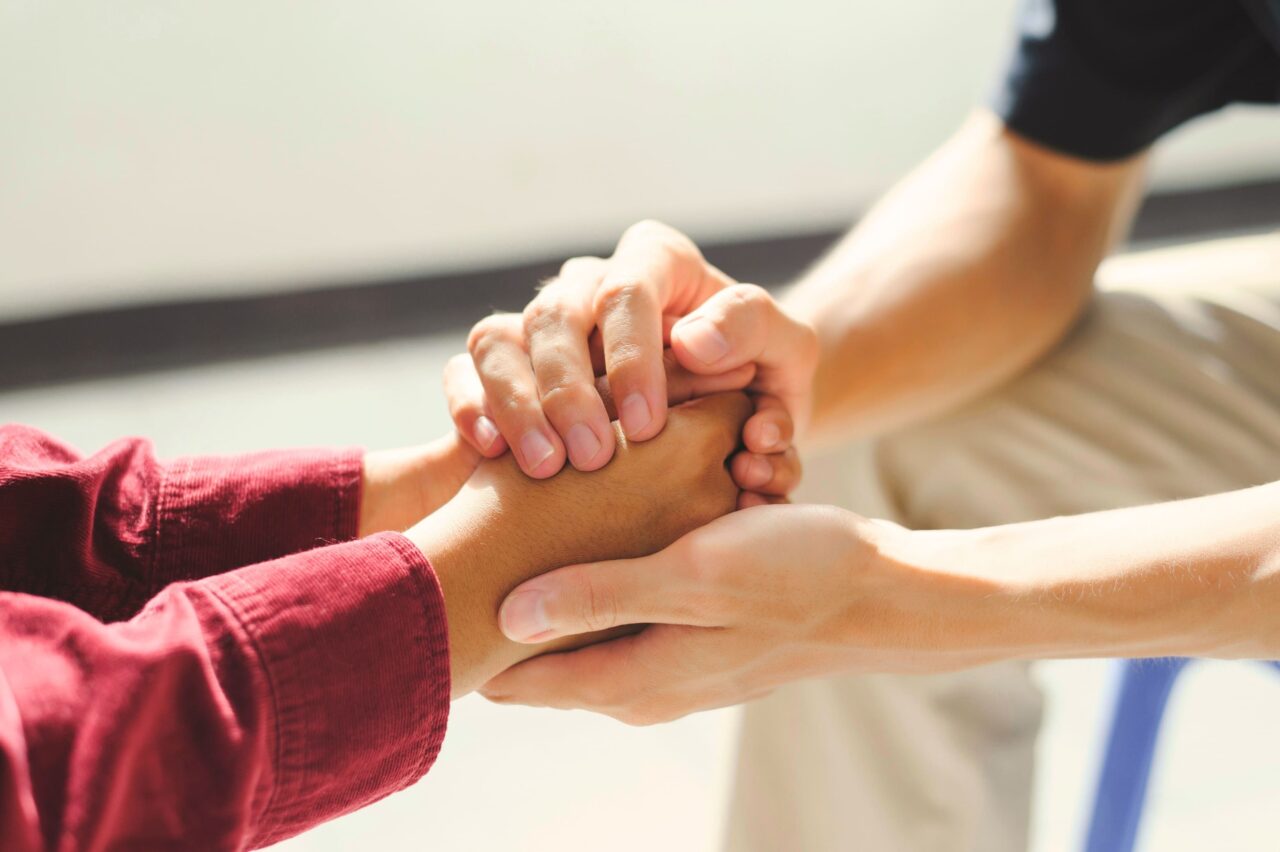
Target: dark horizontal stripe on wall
(141, 338)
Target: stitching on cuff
(277, 749)
(440, 690)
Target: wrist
(391, 497)
(402, 486)
(962, 603)
(478, 556)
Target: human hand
(503, 527)
(400, 487)
(750, 601)
(529, 381)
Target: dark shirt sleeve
(141, 707)
(107, 532)
(1103, 79)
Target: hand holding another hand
(502, 527)
(752, 600)
(529, 381)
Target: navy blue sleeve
(1103, 79)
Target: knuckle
(580, 266)
(655, 233)
(750, 295)
(599, 606)
(512, 405)
(623, 356)
(807, 343)
(650, 228)
(622, 293)
(489, 331)
(545, 313)
(563, 397)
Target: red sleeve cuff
(354, 646)
(216, 514)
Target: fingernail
(536, 449)
(486, 432)
(704, 340)
(634, 414)
(583, 444)
(770, 434)
(757, 472)
(523, 616)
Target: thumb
(743, 324)
(597, 596)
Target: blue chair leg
(1143, 692)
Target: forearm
(1196, 577)
(964, 274)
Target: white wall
(152, 148)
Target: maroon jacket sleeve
(231, 711)
(108, 531)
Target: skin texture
(1192, 578)
(529, 381)
(503, 527)
(400, 487)
(968, 271)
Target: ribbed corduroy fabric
(195, 655)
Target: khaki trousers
(1168, 388)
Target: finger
(770, 429)
(497, 347)
(652, 268)
(748, 499)
(597, 677)
(467, 407)
(683, 385)
(557, 324)
(743, 323)
(775, 474)
(595, 344)
(601, 595)
(638, 680)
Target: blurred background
(231, 226)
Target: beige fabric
(1169, 388)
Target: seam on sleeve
(437, 629)
(277, 747)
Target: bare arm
(1193, 578)
(1197, 577)
(970, 269)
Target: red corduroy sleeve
(107, 532)
(231, 711)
